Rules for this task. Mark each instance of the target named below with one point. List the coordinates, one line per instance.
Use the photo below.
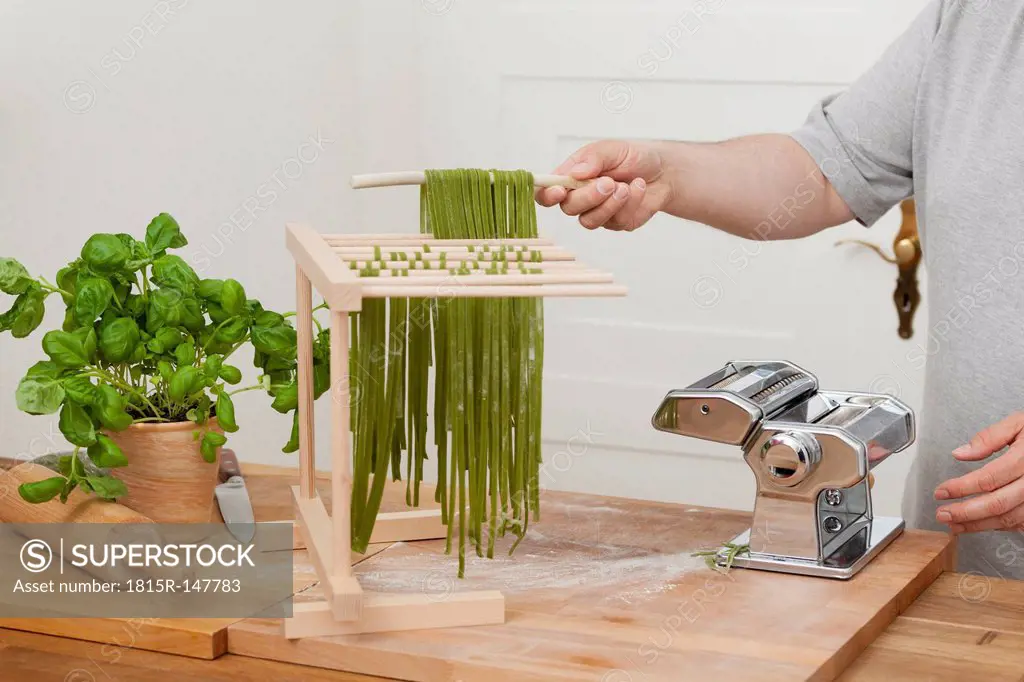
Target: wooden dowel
(445, 248)
(419, 266)
(383, 236)
(412, 242)
(406, 274)
(341, 459)
(450, 256)
(453, 290)
(491, 280)
(304, 339)
(419, 178)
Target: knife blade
(233, 499)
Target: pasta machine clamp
(811, 452)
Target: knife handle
(228, 465)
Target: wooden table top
(962, 627)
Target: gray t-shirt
(941, 117)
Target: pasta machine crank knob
(789, 457)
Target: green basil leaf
(65, 349)
(126, 239)
(209, 289)
(76, 424)
(213, 364)
(87, 336)
(165, 369)
(254, 307)
(226, 413)
(231, 331)
(293, 443)
(39, 395)
(230, 374)
(280, 378)
(211, 344)
(279, 341)
(44, 369)
(41, 491)
(109, 408)
(172, 271)
(164, 233)
(105, 253)
(185, 354)
(107, 487)
(140, 257)
(14, 278)
(93, 297)
(200, 414)
(134, 305)
(69, 321)
(321, 379)
(139, 254)
(232, 297)
(286, 398)
(80, 389)
(26, 314)
(216, 438)
(69, 485)
(67, 281)
(185, 382)
(165, 309)
(274, 365)
(208, 447)
(64, 464)
(268, 318)
(138, 355)
(165, 340)
(105, 453)
(216, 313)
(118, 340)
(192, 315)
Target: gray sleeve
(862, 138)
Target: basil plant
(144, 340)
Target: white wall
(112, 112)
(232, 116)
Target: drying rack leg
(394, 612)
(347, 595)
(304, 340)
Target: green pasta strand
(482, 358)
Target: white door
(521, 84)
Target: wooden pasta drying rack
(345, 269)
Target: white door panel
(523, 84)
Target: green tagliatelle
(487, 360)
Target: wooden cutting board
(206, 638)
(964, 627)
(605, 589)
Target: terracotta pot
(168, 480)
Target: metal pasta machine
(810, 451)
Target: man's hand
(631, 185)
(999, 485)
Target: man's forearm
(758, 187)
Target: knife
(233, 499)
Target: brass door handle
(907, 256)
(907, 250)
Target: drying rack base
(348, 610)
(389, 612)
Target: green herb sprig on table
(731, 552)
(144, 340)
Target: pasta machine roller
(811, 452)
